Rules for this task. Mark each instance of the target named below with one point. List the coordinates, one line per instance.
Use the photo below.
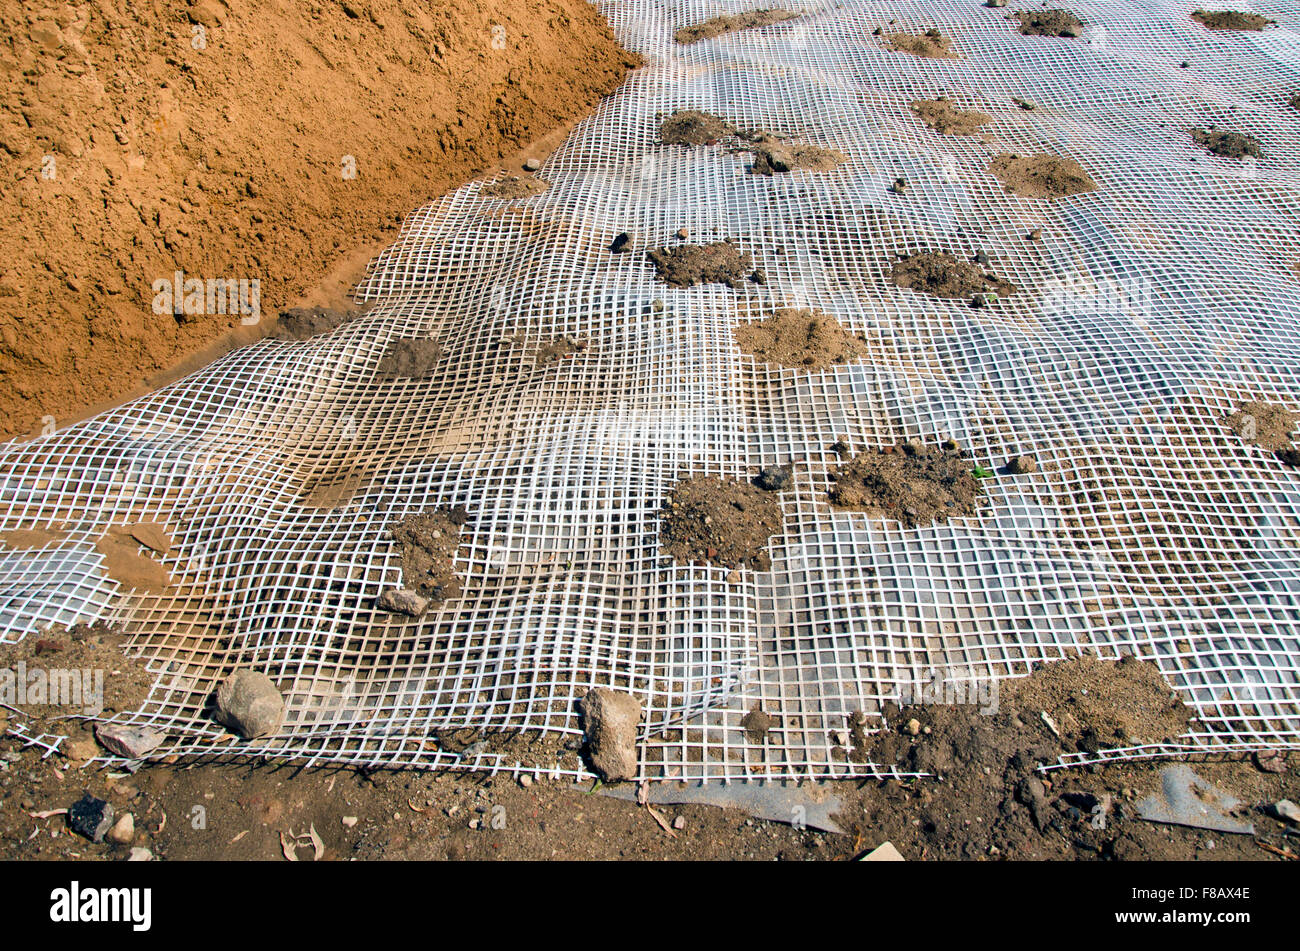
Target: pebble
(349, 821)
(123, 831)
(140, 855)
(734, 577)
(620, 242)
(404, 601)
(914, 726)
(526, 780)
(532, 165)
(1286, 809)
(683, 233)
(679, 823)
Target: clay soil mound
(941, 116)
(1228, 144)
(719, 522)
(1231, 20)
(220, 138)
(929, 45)
(717, 26)
(428, 542)
(807, 339)
(911, 483)
(718, 263)
(692, 127)
(1041, 176)
(1049, 23)
(943, 275)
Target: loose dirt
(717, 26)
(773, 154)
(929, 45)
(428, 542)
(163, 139)
(127, 565)
(807, 339)
(557, 350)
(943, 275)
(514, 186)
(911, 483)
(1227, 144)
(943, 117)
(409, 358)
(1049, 23)
(25, 539)
(693, 127)
(1267, 425)
(1231, 20)
(688, 265)
(1041, 176)
(707, 520)
(303, 323)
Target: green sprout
(980, 472)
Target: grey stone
(133, 742)
(1286, 809)
(611, 719)
(402, 601)
(250, 704)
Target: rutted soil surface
(719, 25)
(693, 127)
(409, 358)
(1231, 20)
(1269, 426)
(1041, 176)
(807, 339)
(929, 45)
(943, 275)
(1049, 23)
(713, 521)
(144, 140)
(688, 265)
(911, 483)
(514, 186)
(428, 542)
(1227, 144)
(941, 116)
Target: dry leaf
(48, 813)
(317, 844)
(287, 849)
(663, 823)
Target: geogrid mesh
(1149, 310)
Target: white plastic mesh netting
(1150, 309)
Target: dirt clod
(557, 350)
(1230, 20)
(807, 339)
(944, 275)
(1227, 144)
(717, 26)
(1049, 23)
(1022, 465)
(1041, 176)
(428, 543)
(514, 186)
(911, 483)
(1267, 425)
(941, 116)
(610, 722)
(719, 522)
(693, 127)
(772, 154)
(929, 45)
(409, 358)
(756, 724)
(688, 265)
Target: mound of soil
(1049, 23)
(693, 127)
(941, 116)
(931, 44)
(1227, 144)
(688, 265)
(303, 323)
(1041, 176)
(717, 26)
(941, 274)
(409, 358)
(807, 339)
(1231, 20)
(719, 522)
(514, 186)
(987, 798)
(557, 350)
(428, 542)
(1267, 425)
(772, 154)
(911, 483)
(219, 139)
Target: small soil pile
(1294, 101)
(1041, 176)
(692, 127)
(930, 45)
(78, 649)
(514, 186)
(719, 522)
(941, 116)
(409, 358)
(1231, 20)
(231, 139)
(717, 26)
(429, 541)
(941, 274)
(807, 339)
(1227, 144)
(772, 154)
(1049, 23)
(1267, 425)
(688, 265)
(303, 323)
(557, 350)
(911, 483)
(988, 797)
